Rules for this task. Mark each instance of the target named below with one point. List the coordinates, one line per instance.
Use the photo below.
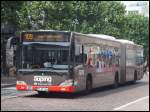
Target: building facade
(137, 7)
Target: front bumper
(67, 89)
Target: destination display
(45, 37)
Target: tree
(136, 28)
(80, 16)
(98, 17)
(9, 11)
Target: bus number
(28, 36)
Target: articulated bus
(63, 61)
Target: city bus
(69, 62)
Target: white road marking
(140, 99)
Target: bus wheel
(88, 84)
(116, 81)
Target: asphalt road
(128, 97)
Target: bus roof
(125, 41)
(139, 46)
(46, 31)
(99, 36)
(102, 36)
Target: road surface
(129, 97)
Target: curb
(8, 85)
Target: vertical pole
(2, 61)
(3, 56)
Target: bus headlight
(21, 83)
(67, 83)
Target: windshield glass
(52, 55)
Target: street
(55, 54)
(127, 97)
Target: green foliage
(9, 11)
(100, 17)
(136, 28)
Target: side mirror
(15, 41)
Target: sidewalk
(8, 81)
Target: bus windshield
(44, 55)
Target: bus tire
(116, 80)
(88, 84)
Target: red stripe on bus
(68, 89)
(56, 88)
(61, 88)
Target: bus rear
(44, 62)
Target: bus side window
(87, 57)
(78, 54)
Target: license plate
(42, 89)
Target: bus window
(78, 54)
(34, 56)
(88, 54)
(130, 57)
(116, 57)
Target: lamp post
(75, 22)
(2, 50)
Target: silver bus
(63, 61)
